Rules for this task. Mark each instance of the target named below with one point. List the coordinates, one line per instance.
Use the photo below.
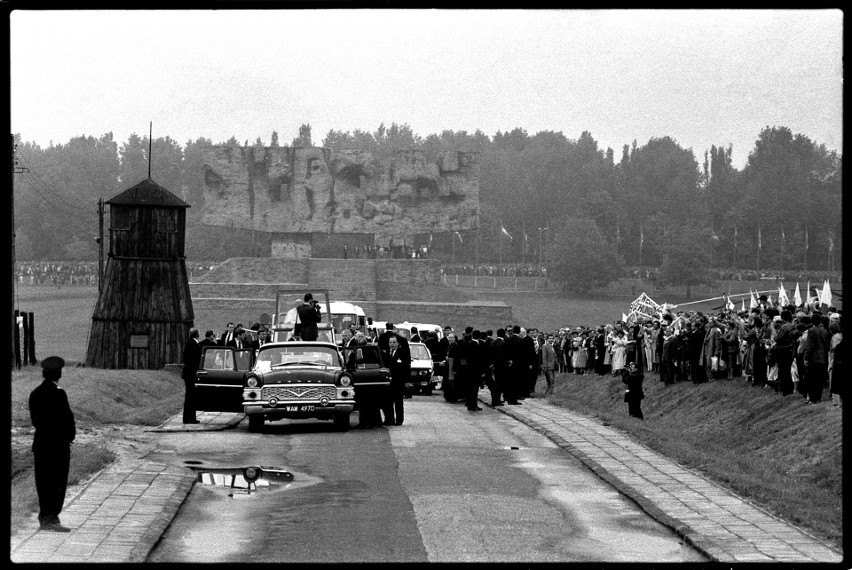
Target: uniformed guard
(54, 431)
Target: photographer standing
(309, 316)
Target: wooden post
(16, 335)
(32, 338)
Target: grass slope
(775, 451)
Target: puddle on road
(243, 481)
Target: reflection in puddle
(245, 481)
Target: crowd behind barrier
(86, 272)
(81, 273)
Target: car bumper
(298, 409)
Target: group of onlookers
(788, 348)
(58, 273)
(495, 270)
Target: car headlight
(252, 382)
(345, 380)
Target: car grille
(298, 392)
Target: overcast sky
(701, 77)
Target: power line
(33, 176)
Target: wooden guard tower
(144, 310)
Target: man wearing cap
(54, 431)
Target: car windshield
(419, 352)
(276, 356)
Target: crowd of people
(81, 273)
(494, 270)
(791, 349)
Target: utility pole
(15, 170)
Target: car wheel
(341, 421)
(255, 423)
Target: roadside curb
(682, 530)
(647, 481)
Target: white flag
(797, 296)
(752, 302)
(825, 299)
(623, 317)
(782, 296)
(506, 233)
(742, 306)
(459, 236)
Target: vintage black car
(310, 380)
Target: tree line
(565, 200)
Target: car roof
(286, 343)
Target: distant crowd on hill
(80, 273)
(86, 272)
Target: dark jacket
(51, 416)
(309, 317)
(191, 360)
(634, 382)
(816, 346)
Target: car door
(369, 372)
(219, 383)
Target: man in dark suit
(478, 363)
(191, 360)
(398, 359)
(498, 367)
(514, 365)
(229, 337)
(309, 317)
(209, 339)
(382, 341)
(54, 431)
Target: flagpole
(758, 250)
(453, 255)
(540, 232)
(735, 246)
(782, 252)
(805, 256)
(524, 246)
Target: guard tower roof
(147, 193)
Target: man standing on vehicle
(309, 316)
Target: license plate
(300, 408)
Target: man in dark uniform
(476, 369)
(309, 317)
(498, 367)
(398, 358)
(511, 363)
(54, 431)
(191, 360)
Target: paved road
(120, 515)
(448, 486)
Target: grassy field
(97, 398)
(774, 451)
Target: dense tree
(304, 138)
(686, 258)
(528, 182)
(581, 258)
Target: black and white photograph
(328, 284)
